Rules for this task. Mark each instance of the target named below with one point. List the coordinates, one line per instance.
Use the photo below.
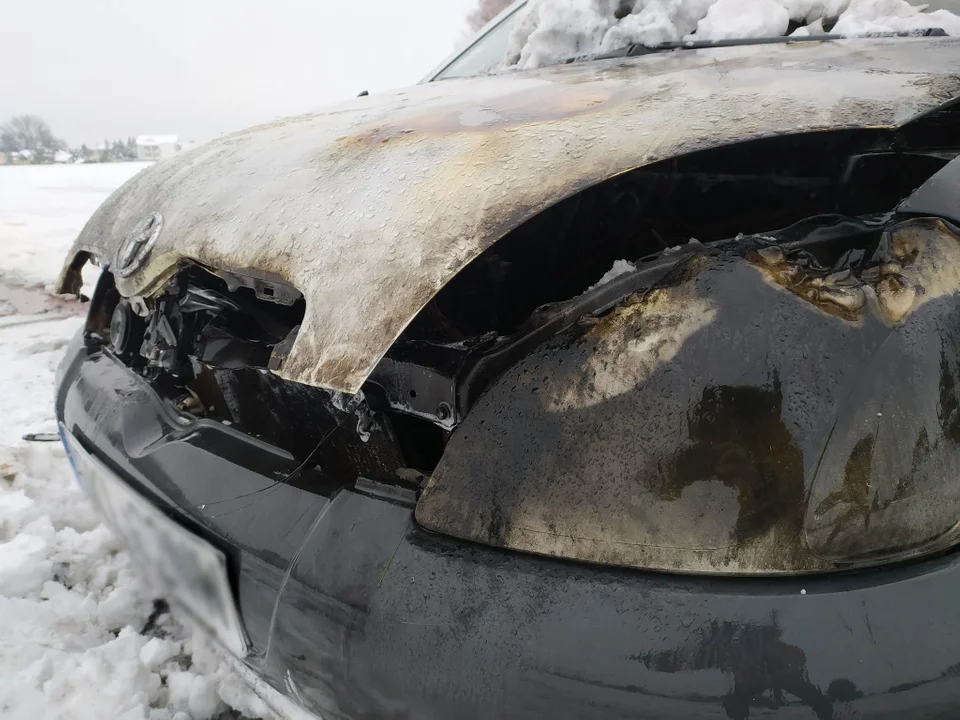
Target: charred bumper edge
(357, 612)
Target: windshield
(545, 32)
(487, 53)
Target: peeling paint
(917, 262)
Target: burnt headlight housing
(773, 405)
(126, 329)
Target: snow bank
(652, 23)
(29, 355)
(547, 31)
(80, 638)
(892, 16)
(727, 19)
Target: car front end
(617, 389)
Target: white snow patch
(863, 16)
(810, 10)
(158, 651)
(728, 19)
(74, 615)
(42, 210)
(547, 31)
(656, 22)
(29, 355)
(814, 28)
(620, 267)
(75, 641)
(551, 31)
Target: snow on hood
(547, 31)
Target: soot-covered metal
(388, 313)
(204, 345)
(765, 406)
(687, 416)
(758, 410)
(371, 208)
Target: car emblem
(134, 251)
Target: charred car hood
(370, 207)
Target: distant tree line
(116, 151)
(29, 139)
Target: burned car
(622, 388)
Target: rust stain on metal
(541, 104)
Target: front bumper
(181, 565)
(356, 612)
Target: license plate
(177, 564)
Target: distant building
(157, 147)
(62, 156)
(20, 157)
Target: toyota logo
(134, 251)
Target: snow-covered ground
(43, 207)
(79, 636)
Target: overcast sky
(98, 69)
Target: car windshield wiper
(638, 49)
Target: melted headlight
(775, 405)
